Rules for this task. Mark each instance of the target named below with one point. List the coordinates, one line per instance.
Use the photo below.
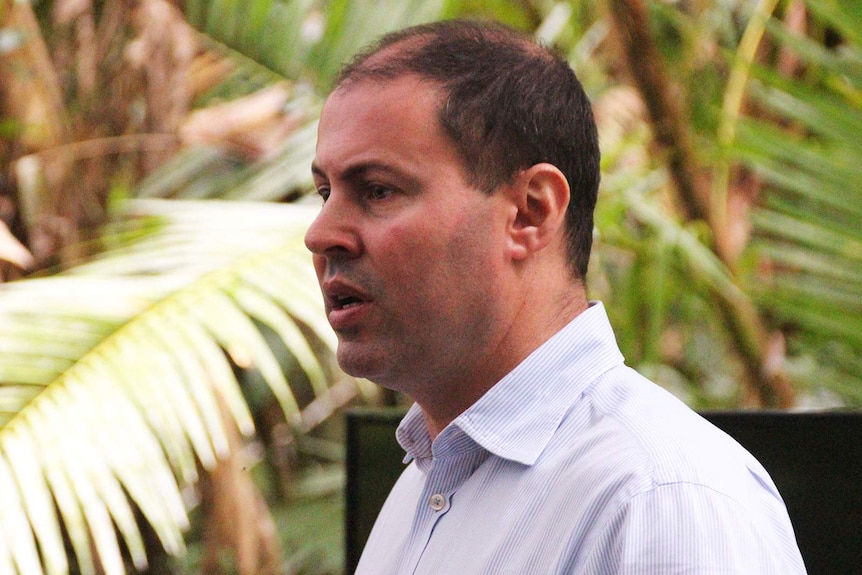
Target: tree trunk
(766, 382)
(240, 535)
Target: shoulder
(626, 436)
(672, 486)
(640, 422)
(695, 528)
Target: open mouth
(345, 302)
(342, 296)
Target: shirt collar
(517, 417)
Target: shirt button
(437, 501)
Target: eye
(323, 192)
(378, 192)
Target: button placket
(453, 461)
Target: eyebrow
(317, 171)
(358, 171)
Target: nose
(334, 233)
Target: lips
(346, 304)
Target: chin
(372, 367)
(359, 363)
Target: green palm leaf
(807, 234)
(143, 342)
(299, 39)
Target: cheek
(419, 263)
(435, 258)
(465, 265)
(473, 243)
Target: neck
(530, 327)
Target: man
(458, 164)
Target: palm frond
(807, 240)
(299, 39)
(111, 374)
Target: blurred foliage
(781, 163)
(154, 171)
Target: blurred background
(169, 403)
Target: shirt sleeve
(690, 529)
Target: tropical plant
(807, 231)
(735, 228)
(119, 375)
(128, 359)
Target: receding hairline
(390, 56)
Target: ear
(541, 196)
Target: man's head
(441, 247)
(507, 104)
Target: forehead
(405, 100)
(383, 120)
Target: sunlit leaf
(146, 347)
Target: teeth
(347, 301)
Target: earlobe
(541, 195)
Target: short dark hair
(508, 103)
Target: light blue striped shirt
(573, 463)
